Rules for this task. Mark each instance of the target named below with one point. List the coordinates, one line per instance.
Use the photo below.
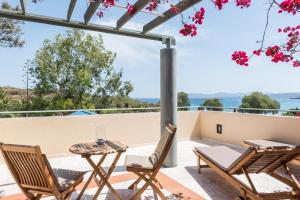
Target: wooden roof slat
(91, 10)
(79, 25)
(23, 6)
(139, 5)
(71, 9)
(181, 6)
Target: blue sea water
(234, 102)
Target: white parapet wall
(56, 134)
(237, 127)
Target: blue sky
(204, 62)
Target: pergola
(168, 92)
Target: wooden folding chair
(34, 175)
(227, 163)
(146, 168)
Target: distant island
(290, 95)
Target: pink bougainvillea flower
(130, 9)
(290, 6)
(296, 63)
(243, 3)
(257, 52)
(174, 8)
(220, 3)
(241, 58)
(199, 16)
(189, 30)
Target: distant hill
(240, 95)
(216, 95)
(16, 93)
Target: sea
(234, 102)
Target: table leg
(91, 177)
(105, 176)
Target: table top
(92, 148)
(265, 143)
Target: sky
(204, 62)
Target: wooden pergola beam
(23, 6)
(181, 6)
(91, 10)
(79, 25)
(71, 9)
(139, 5)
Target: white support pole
(168, 97)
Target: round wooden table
(86, 150)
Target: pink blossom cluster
(188, 29)
(296, 63)
(243, 3)
(191, 29)
(108, 3)
(293, 36)
(174, 8)
(241, 58)
(131, 9)
(152, 5)
(100, 14)
(199, 16)
(290, 6)
(220, 3)
(277, 54)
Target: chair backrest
(29, 167)
(264, 159)
(163, 147)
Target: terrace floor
(182, 180)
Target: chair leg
(59, 197)
(68, 196)
(199, 164)
(36, 197)
(138, 194)
(158, 183)
(158, 191)
(135, 183)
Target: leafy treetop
(260, 101)
(76, 71)
(213, 104)
(10, 30)
(183, 99)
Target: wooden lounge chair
(227, 163)
(34, 175)
(146, 168)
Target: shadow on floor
(217, 188)
(212, 184)
(117, 169)
(127, 194)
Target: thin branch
(266, 26)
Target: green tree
(183, 100)
(75, 71)
(260, 101)
(10, 29)
(8, 104)
(293, 112)
(213, 104)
